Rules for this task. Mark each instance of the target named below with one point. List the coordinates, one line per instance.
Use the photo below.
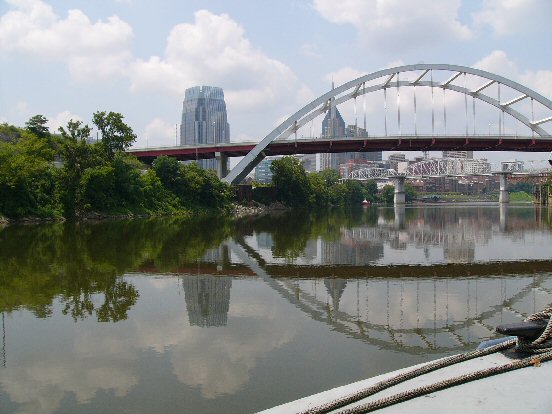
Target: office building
(458, 154)
(204, 119)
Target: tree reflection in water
(81, 264)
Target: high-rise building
(333, 126)
(204, 119)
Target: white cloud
(498, 62)
(392, 25)
(157, 133)
(215, 51)
(91, 50)
(61, 120)
(514, 16)
(343, 75)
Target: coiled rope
(542, 346)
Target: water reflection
(207, 299)
(165, 315)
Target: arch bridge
(505, 96)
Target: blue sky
(68, 59)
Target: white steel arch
(357, 87)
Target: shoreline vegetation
(69, 176)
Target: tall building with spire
(333, 126)
(204, 119)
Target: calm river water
(221, 316)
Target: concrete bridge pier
(504, 196)
(222, 164)
(399, 198)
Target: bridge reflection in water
(360, 285)
(452, 303)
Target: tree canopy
(96, 177)
(116, 135)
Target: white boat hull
(525, 390)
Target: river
(235, 316)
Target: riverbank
(237, 211)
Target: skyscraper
(204, 119)
(333, 126)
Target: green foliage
(387, 194)
(37, 126)
(194, 186)
(77, 156)
(27, 178)
(80, 265)
(521, 197)
(9, 133)
(521, 186)
(96, 177)
(291, 182)
(370, 190)
(296, 188)
(116, 135)
(410, 192)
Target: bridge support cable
(364, 106)
(415, 114)
(385, 109)
(432, 108)
(398, 105)
(473, 106)
(499, 113)
(445, 109)
(466, 104)
(356, 119)
(532, 118)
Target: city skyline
(67, 60)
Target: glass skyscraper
(204, 119)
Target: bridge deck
(356, 144)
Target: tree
(27, 177)
(116, 135)
(37, 125)
(410, 193)
(387, 194)
(370, 190)
(290, 179)
(77, 156)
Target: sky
(68, 59)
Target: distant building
(471, 166)
(458, 154)
(333, 126)
(308, 161)
(356, 131)
(204, 119)
(394, 160)
(262, 170)
(513, 166)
